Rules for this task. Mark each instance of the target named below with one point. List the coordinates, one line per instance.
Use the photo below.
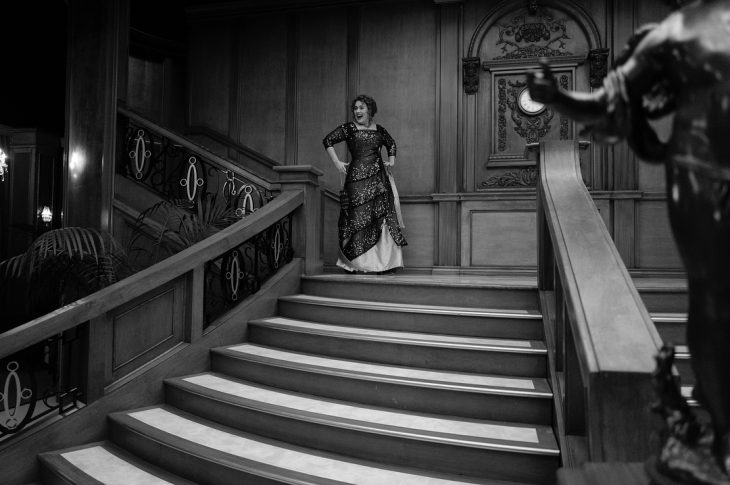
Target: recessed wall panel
(210, 74)
(501, 238)
(262, 84)
(397, 51)
(321, 88)
(654, 241)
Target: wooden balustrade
(220, 162)
(129, 326)
(601, 337)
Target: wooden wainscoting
(146, 328)
(499, 233)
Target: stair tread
(461, 281)
(402, 337)
(411, 308)
(535, 439)
(108, 464)
(533, 386)
(669, 316)
(243, 450)
(681, 352)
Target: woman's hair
(369, 102)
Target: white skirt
(385, 255)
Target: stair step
(208, 452)
(448, 352)
(683, 362)
(446, 320)
(468, 292)
(102, 463)
(446, 444)
(479, 396)
(663, 294)
(672, 327)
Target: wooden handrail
(609, 331)
(140, 283)
(201, 151)
(214, 135)
(603, 301)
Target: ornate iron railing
(180, 171)
(40, 381)
(66, 359)
(240, 272)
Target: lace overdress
(370, 236)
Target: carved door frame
(476, 71)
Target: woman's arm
(337, 135)
(339, 165)
(389, 143)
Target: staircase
(667, 302)
(359, 379)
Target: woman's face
(361, 114)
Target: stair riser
(475, 405)
(665, 301)
(395, 450)
(684, 367)
(188, 464)
(672, 332)
(49, 477)
(423, 294)
(463, 360)
(496, 327)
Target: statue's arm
(580, 106)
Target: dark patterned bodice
(368, 187)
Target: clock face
(527, 104)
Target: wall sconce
(46, 215)
(3, 165)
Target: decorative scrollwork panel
(240, 272)
(182, 175)
(38, 381)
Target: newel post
(307, 223)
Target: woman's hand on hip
(341, 166)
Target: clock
(528, 105)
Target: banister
(593, 270)
(176, 138)
(156, 275)
(243, 149)
(613, 336)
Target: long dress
(369, 232)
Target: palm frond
(178, 227)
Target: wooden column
(308, 219)
(449, 155)
(97, 58)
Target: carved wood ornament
(598, 65)
(537, 34)
(471, 74)
(531, 128)
(526, 177)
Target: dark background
(33, 63)
(33, 56)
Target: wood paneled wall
(279, 80)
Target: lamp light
(46, 215)
(3, 165)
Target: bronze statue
(680, 66)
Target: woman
(369, 230)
